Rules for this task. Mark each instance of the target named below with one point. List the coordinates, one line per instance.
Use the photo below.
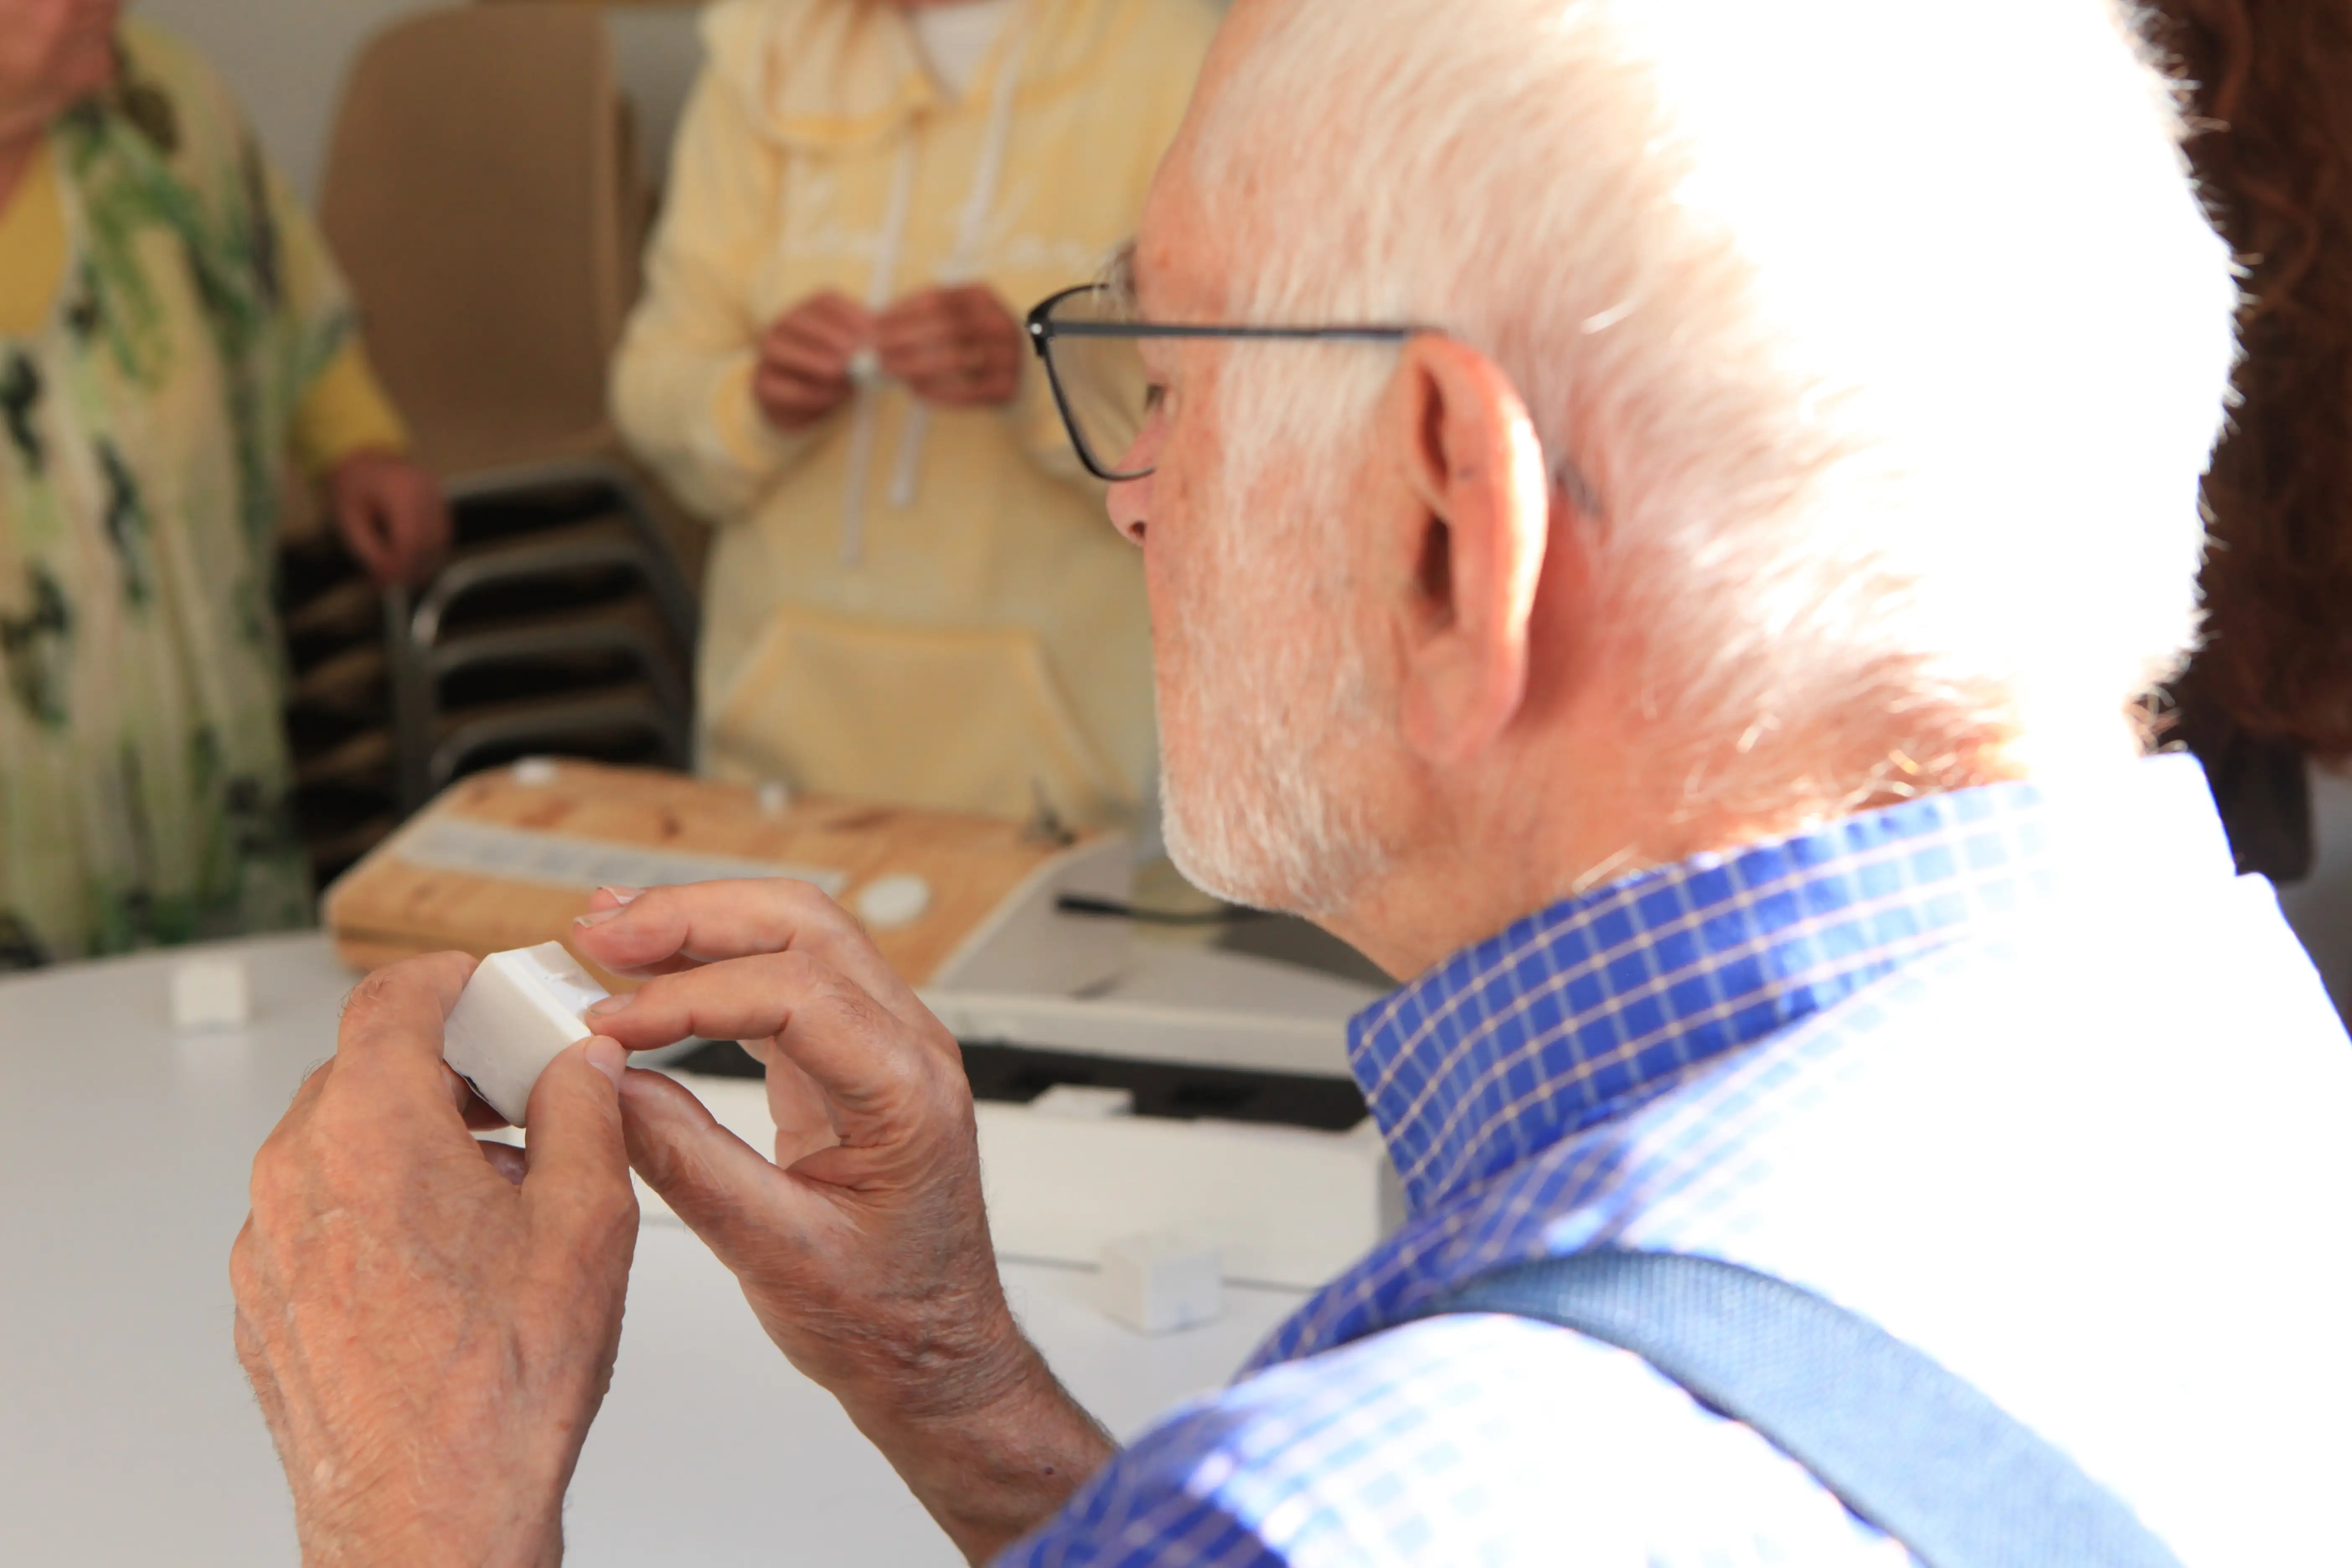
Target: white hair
(1887, 341)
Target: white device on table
(517, 1014)
(1158, 1283)
(211, 993)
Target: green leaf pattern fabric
(144, 775)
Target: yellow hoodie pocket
(952, 719)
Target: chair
(338, 703)
(483, 194)
(562, 624)
(627, 725)
(483, 197)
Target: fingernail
(624, 895)
(607, 1058)
(595, 918)
(609, 1005)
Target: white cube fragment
(1161, 1282)
(900, 899)
(517, 1014)
(1089, 1100)
(211, 993)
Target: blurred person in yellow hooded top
(172, 333)
(911, 596)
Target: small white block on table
(1086, 1100)
(1161, 1282)
(897, 899)
(211, 993)
(517, 1014)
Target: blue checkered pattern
(1587, 1074)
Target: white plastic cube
(1084, 1099)
(517, 1014)
(1161, 1282)
(211, 993)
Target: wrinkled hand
(803, 373)
(959, 348)
(863, 1247)
(390, 512)
(430, 1323)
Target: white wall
(286, 60)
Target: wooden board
(414, 893)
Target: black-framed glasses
(1088, 338)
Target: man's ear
(1473, 545)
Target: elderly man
(1689, 620)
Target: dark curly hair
(2271, 86)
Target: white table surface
(127, 1435)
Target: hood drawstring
(972, 230)
(877, 296)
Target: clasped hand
(953, 347)
(385, 1259)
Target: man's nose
(1129, 502)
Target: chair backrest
(482, 196)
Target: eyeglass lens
(1103, 383)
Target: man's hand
(391, 514)
(804, 367)
(959, 348)
(864, 1248)
(430, 1323)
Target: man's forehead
(1170, 265)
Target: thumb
(726, 1192)
(575, 1158)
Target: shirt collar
(1577, 1014)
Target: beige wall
(286, 60)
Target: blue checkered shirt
(1651, 1064)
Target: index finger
(864, 1061)
(927, 310)
(978, 304)
(394, 1018)
(836, 314)
(706, 921)
(916, 300)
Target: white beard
(1266, 805)
(1260, 814)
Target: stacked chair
(338, 716)
(563, 626)
(482, 193)
(484, 196)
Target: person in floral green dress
(173, 336)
